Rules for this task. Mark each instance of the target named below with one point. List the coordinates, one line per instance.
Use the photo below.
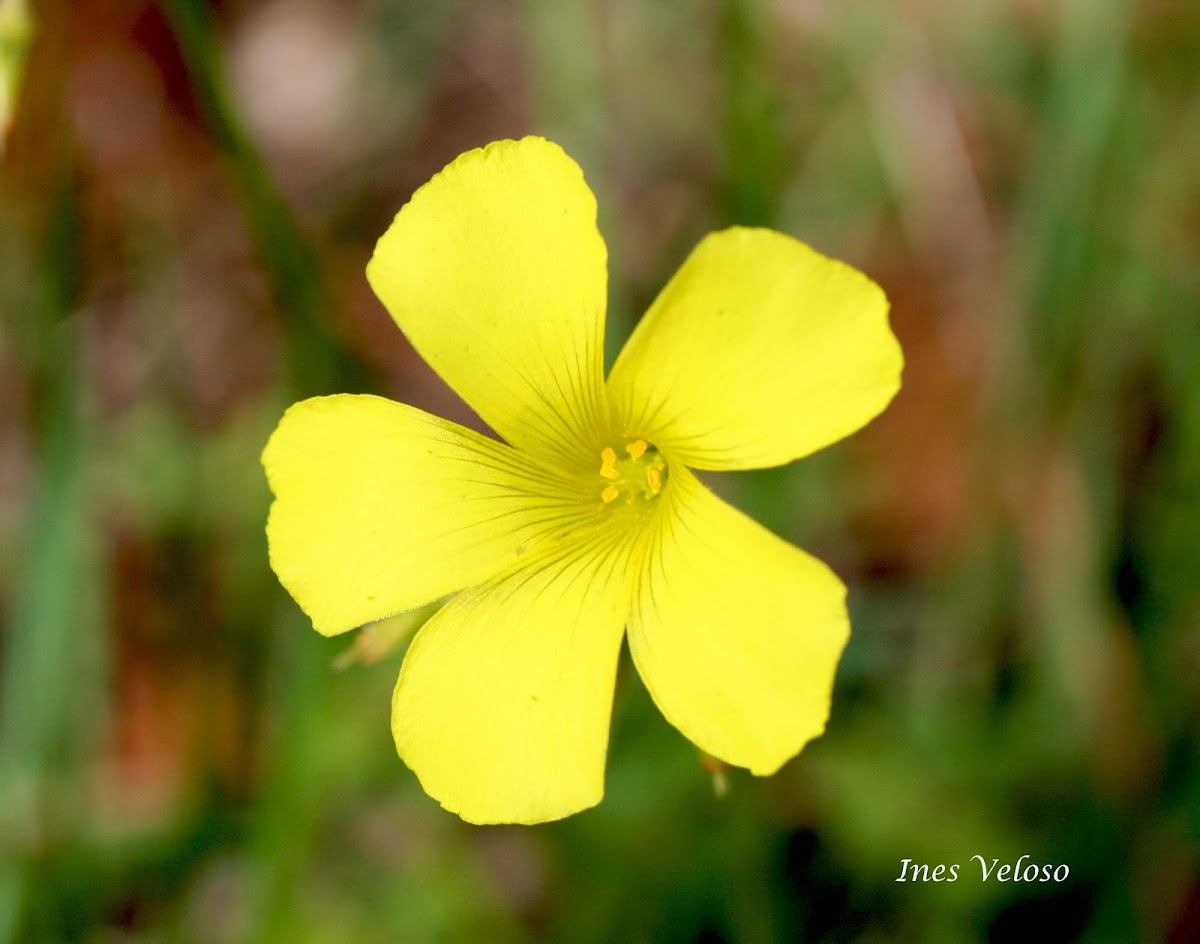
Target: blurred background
(189, 192)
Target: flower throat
(631, 473)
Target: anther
(632, 472)
(608, 464)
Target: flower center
(631, 472)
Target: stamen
(608, 463)
(632, 473)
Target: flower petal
(380, 507)
(495, 271)
(758, 351)
(503, 703)
(735, 632)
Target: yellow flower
(589, 523)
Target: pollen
(632, 473)
(608, 463)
